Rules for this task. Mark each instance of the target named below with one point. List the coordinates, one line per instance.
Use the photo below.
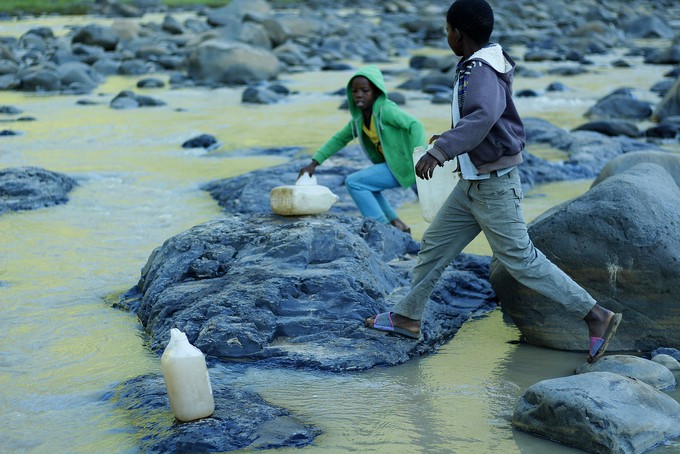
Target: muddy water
(63, 350)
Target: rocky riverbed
(291, 293)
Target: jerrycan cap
(177, 335)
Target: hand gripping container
(433, 193)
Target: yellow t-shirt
(372, 134)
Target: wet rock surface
(599, 412)
(294, 291)
(242, 419)
(650, 372)
(30, 188)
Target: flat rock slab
(242, 419)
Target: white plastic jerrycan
(305, 197)
(186, 379)
(433, 193)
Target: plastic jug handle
(306, 180)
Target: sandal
(598, 345)
(383, 322)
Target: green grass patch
(39, 7)
(44, 6)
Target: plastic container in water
(305, 197)
(433, 193)
(186, 379)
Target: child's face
(363, 94)
(455, 39)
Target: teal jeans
(366, 186)
(491, 206)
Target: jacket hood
(494, 56)
(372, 73)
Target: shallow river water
(63, 349)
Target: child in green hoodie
(387, 135)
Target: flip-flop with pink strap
(383, 322)
(598, 345)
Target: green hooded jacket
(398, 131)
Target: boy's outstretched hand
(309, 169)
(425, 166)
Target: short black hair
(472, 17)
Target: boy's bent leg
(498, 207)
(451, 230)
(365, 186)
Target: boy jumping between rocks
(488, 137)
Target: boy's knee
(352, 181)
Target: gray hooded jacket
(490, 129)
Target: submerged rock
(127, 99)
(599, 412)
(207, 141)
(242, 419)
(30, 188)
(295, 291)
(647, 371)
(667, 361)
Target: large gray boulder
(620, 241)
(237, 9)
(216, 62)
(249, 193)
(97, 35)
(78, 77)
(649, 27)
(295, 291)
(39, 78)
(667, 56)
(599, 412)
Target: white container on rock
(433, 193)
(305, 197)
(186, 379)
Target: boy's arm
(415, 128)
(484, 104)
(334, 144)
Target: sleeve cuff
(438, 155)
